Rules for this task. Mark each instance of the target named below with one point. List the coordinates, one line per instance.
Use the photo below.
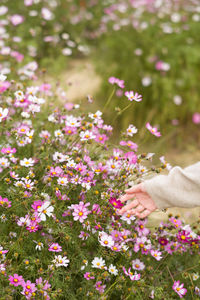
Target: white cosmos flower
(39, 245)
(137, 265)
(58, 133)
(106, 240)
(86, 135)
(45, 209)
(2, 77)
(195, 276)
(4, 162)
(3, 113)
(113, 270)
(62, 181)
(131, 130)
(27, 162)
(98, 263)
(60, 261)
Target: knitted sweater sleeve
(180, 188)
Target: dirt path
(80, 80)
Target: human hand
(141, 206)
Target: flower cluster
(61, 181)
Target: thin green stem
(109, 99)
(120, 112)
(111, 287)
(170, 273)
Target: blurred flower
(153, 130)
(196, 118)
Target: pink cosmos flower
(69, 130)
(156, 254)
(33, 227)
(16, 280)
(18, 56)
(177, 223)
(141, 229)
(130, 144)
(45, 284)
(45, 87)
(117, 81)
(153, 130)
(88, 276)
(116, 203)
(100, 287)
(132, 276)
(133, 96)
(179, 289)
(37, 204)
(16, 19)
(4, 202)
(83, 235)
(55, 247)
(8, 150)
(2, 251)
(196, 118)
(69, 106)
(101, 138)
(28, 2)
(80, 211)
(28, 288)
(4, 86)
(131, 156)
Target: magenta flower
(116, 203)
(184, 236)
(179, 289)
(88, 276)
(162, 241)
(133, 96)
(16, 280)
(196, 118)
(55, 247)
(153, 130)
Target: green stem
(109, 99)
(111, 287)
(120, 112)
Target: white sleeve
(180, 188)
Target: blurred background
(153, 45)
